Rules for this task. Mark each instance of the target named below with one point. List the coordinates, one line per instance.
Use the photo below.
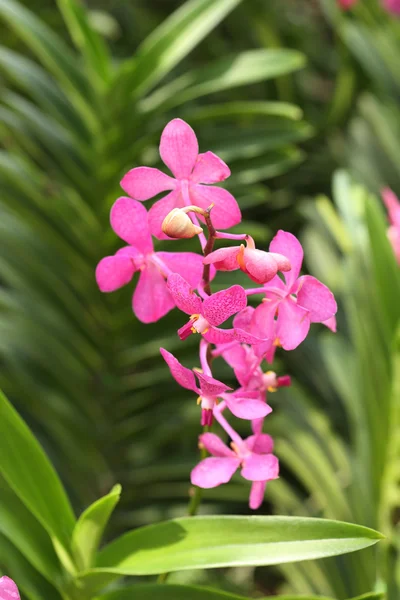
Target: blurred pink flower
(253, 455)
(392, 6)
(151, 299)
(297, 302)
(206, 314)
(210, 389)
(179, 151)
(260, 266)
(8, 589)
(346, 4)
(393, 207)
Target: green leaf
(209, 542)
(155, 591)
(370, 596)
(172, 41)
(241, 69)
(30, 474)
(85, 37)
(90, 527)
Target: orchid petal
(225, 212)
(187, 264)
(222, 305)
(223, 259)
(129, 221)
(264, 319)
(262, 266)
(257, 494)
(8, 589)
(260, 444)
(244, 318)
(113, 272)
(151, 299)
(287, 244)
(245, 408)
(184, 298)
(179, 148)
(210, 386)
(143, 183)
(330, 324)
(215, 335)
(393, 206)
(181, 374)
(214, 445)
(392, 6)
(211, 472)
(209, 168)
(257, 425)
(160, 210)
(393, 234)
(315, 297)
(293, 324)
(260, 467)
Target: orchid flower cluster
(391, 6)
(288, 303)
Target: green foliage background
(302, 101)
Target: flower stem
(208, 248)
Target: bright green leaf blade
(370, 596)
(85, 37)
(209, 542)
(29, 473)
(171, 592)
(90, 527)
(172, 41)
(230, 72)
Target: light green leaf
(90, 527)
(209, 542)
(30, 474)
(172, 41)
(241, 69)
(155, 591)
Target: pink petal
(215, 335)
(247, 338)
(264, 319)
(210, 386)
(260, 444)
(114, 272)
(257, 494)
(209, 168)
(287, 244)
(181, 374)
(393, 206)
(129, 220)
(245, 408)
(293, 324)
(222, 305)
(211, 472)
(260, 467)
(262, 266)
(223, 259)
(225, 213)
(143, 183)
(184, 298)
(160, 210)
(179, 148)
(187, 264)
(244, 318)
(214, 445)
(151, 299)
(257, 426)
(330, 324)
(393, 234)
(315, 297)
(235, 357)
(8, 589)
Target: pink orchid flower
(253, 455)
(8, 589)
(179, 151)
(151, 299)
(297, 301)
(260, 266)
(206, 314)
(210, 390)
(393, 208)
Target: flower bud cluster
(287, 302)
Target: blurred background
(301, 99)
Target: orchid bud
(177, 224)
